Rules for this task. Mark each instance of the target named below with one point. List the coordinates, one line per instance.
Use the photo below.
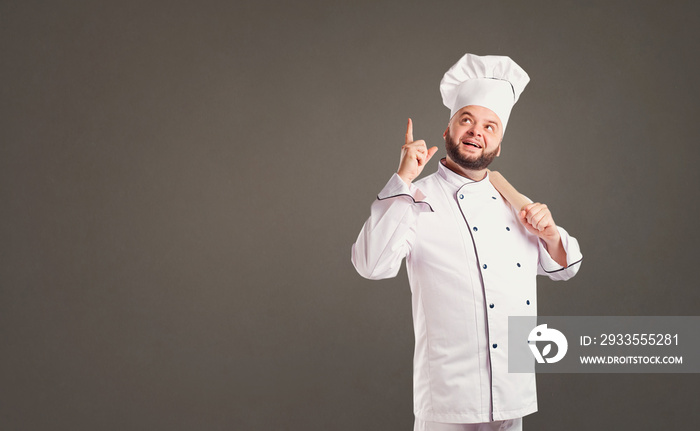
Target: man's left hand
(538, 220)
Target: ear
(498, 152)
(444, 134)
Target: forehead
(479, 113)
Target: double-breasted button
(475, 228)
(492, 305)
(518, 264)
(495, 345)
(485, 266)
(507, 228)
(461, 196)
(528, 302)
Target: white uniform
(470, 264)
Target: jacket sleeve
(551, 268)
(387, 235)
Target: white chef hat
(492, 81)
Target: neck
(475, 175)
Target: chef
(471, 258)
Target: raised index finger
(409, 132)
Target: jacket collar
(454, 178)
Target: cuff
(573, 253)
(396, 187)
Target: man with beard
(471, 258)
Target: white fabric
(465, 250)
(491, 81)
(509, 425)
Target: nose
(474, 130)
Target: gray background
(181, 182)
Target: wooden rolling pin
(514, 198)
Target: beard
(471, 163)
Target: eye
(490, 128)
(466, 120)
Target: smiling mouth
(473, 144)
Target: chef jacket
(470, 264)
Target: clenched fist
(538, 220)
(414, 156)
